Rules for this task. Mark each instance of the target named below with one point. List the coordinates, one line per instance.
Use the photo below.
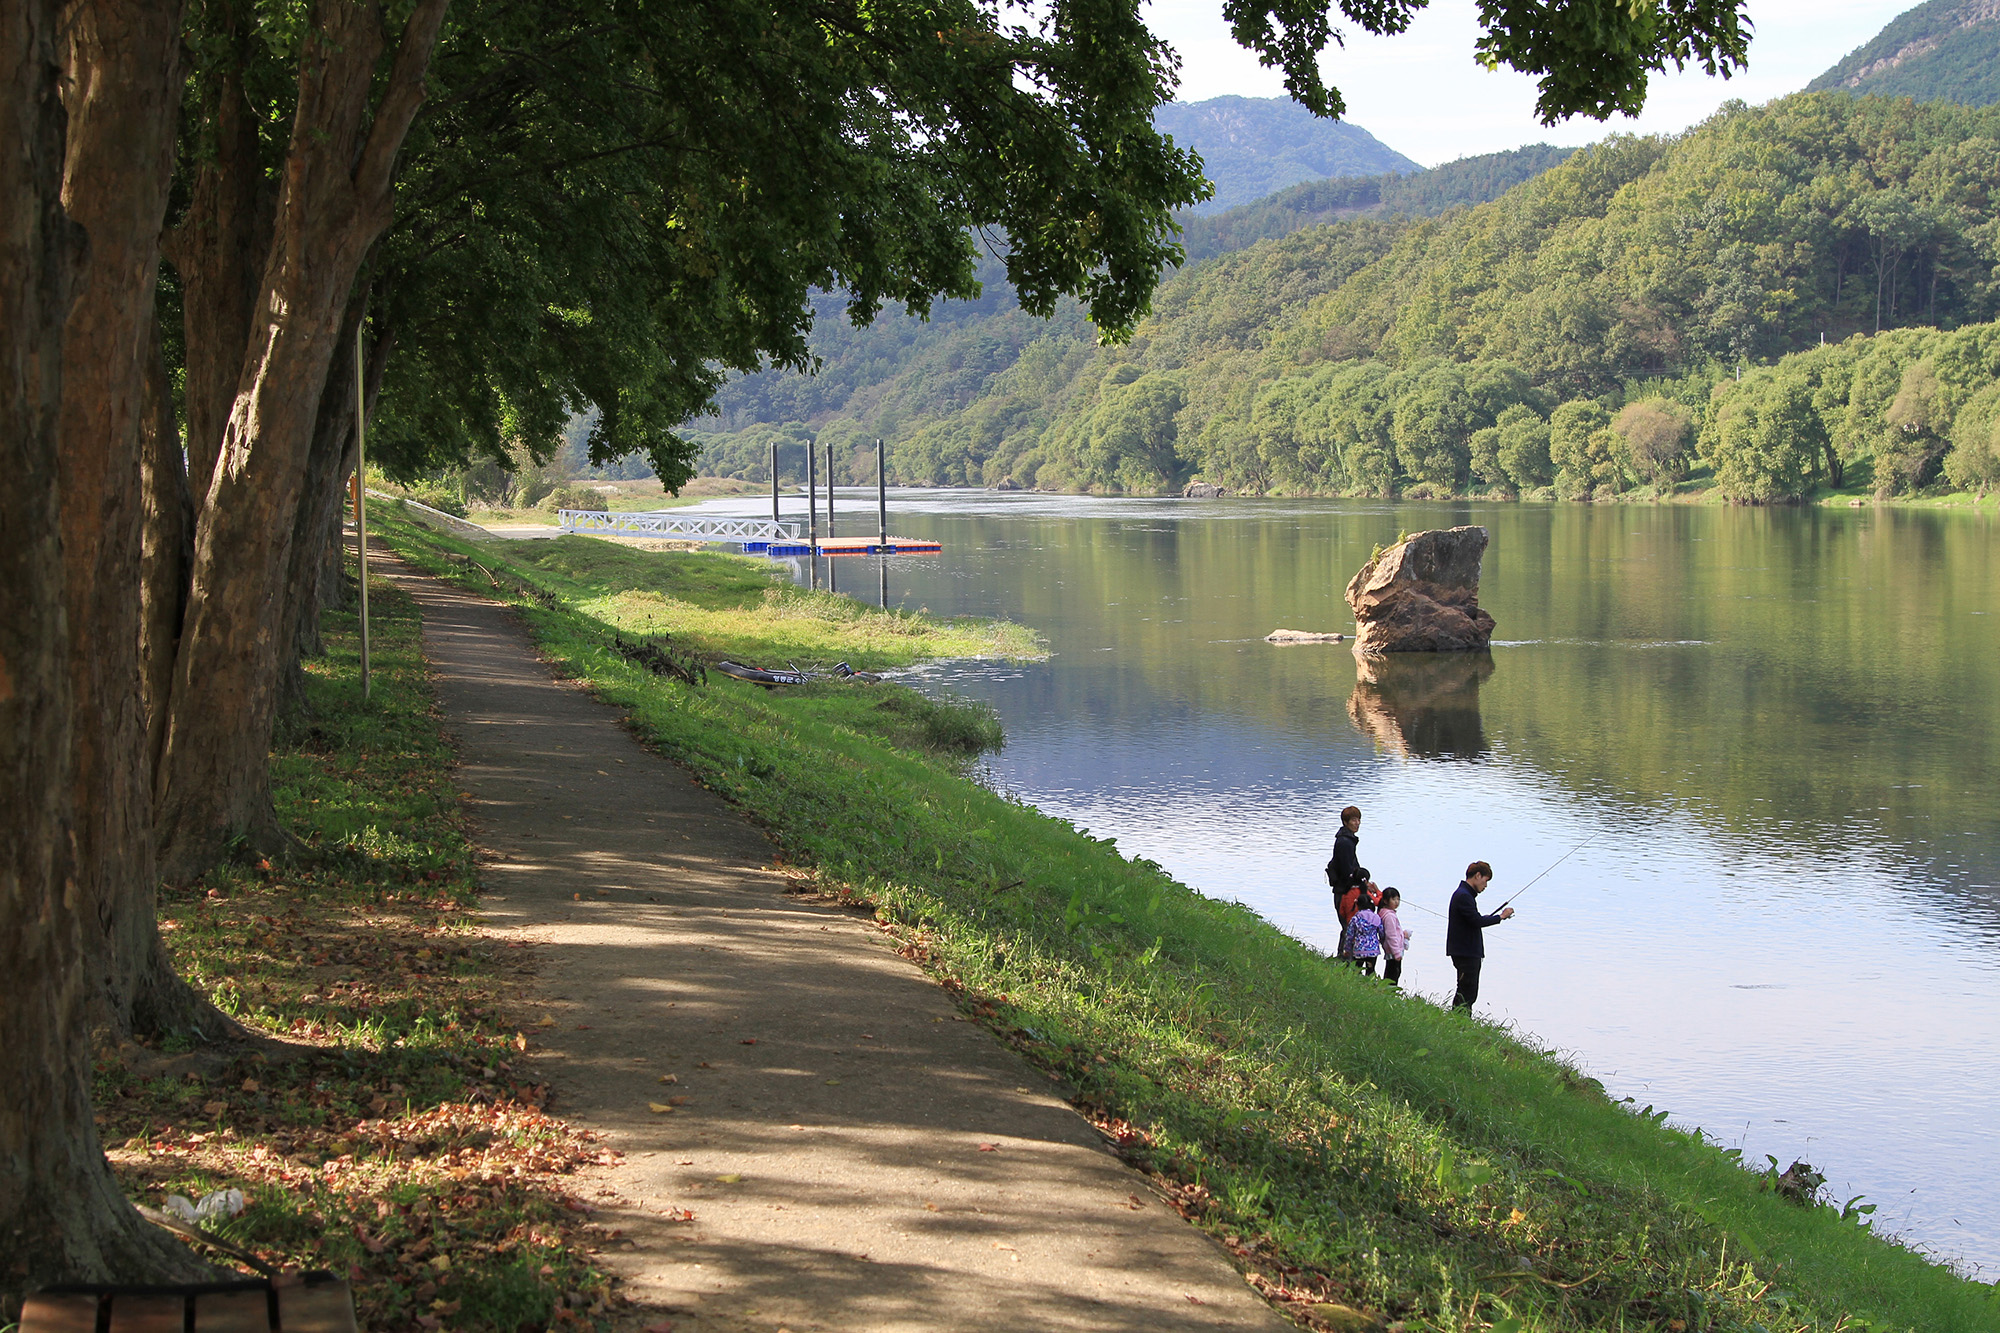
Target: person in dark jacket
(1465, 937)
(1345, 870)
(1345, 874)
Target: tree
(1580, 449)
(1523, 448)
(62, 1215)
(1433, 424)
(1919, 421)
(1763, 438)
(1654, 435)
(1590, 61)
(1974, 461)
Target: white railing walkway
(435, 518)
(664, 523)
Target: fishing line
(1558, 861)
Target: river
(1775, 733)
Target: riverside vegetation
(1646, 317)
(1366, 1157)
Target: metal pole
(829, 497)
(882, 508)
(361, 494)
(774, 481)
(812, 517)
(882, 562)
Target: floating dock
(834, 546)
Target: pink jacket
(1393, 940)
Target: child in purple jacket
(1364, 936)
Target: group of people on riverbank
(1371, 928)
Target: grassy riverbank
(1367, 1157)
(382, 1132)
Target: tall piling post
(881, 502)
(774, 481)
(812, 517)
(829, 493)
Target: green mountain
(1251, 146)
(1421, 194)
(1501, 346)
(899, 369)
(1941, 51)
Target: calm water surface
(1776, 733)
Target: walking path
(855, 1154)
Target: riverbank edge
(1364, 1156)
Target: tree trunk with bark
(317, 553)
(219, 249)
(62, 1215)
(122, 93)
(335, 202)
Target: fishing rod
(1558, 861)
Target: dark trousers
(1367, 965)
(1392, 971)
(1468, 982)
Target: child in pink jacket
(1395, 940)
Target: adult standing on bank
(1345, 874)
(1465, 932)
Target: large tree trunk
(122, 93)
(314, 582)
(168, 554)
(219, 248)
(336, 201)
(62, 1216)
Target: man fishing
(1465, 938)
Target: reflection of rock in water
(1421, 703)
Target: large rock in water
(1422, 595)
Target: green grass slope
(1367, 1157)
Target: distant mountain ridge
(1941, 51)
(901, 369)
(1252, 146)
(1460, 184)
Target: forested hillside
(1460, 184)
(1569, 335)
(900, 372)
(1251, 146)
(1943, 50)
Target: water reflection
(1421, 704)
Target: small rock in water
(1301, 636)
(1203, 490)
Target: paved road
(856, 1155)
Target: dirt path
(856, 1155)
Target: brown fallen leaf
(520, 1041)
(660, 1108)
(731, 1179)
(215, 1108)
(747, 1041)
(933, 1207)
(669, 1078)
(249, 1085)
(989, 1147)
(663, 1326)
(545, 1022)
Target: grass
(1366, 1156)
(386, 1133)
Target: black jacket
(1463, 927)
(1344, 871)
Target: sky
(1421, 94)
